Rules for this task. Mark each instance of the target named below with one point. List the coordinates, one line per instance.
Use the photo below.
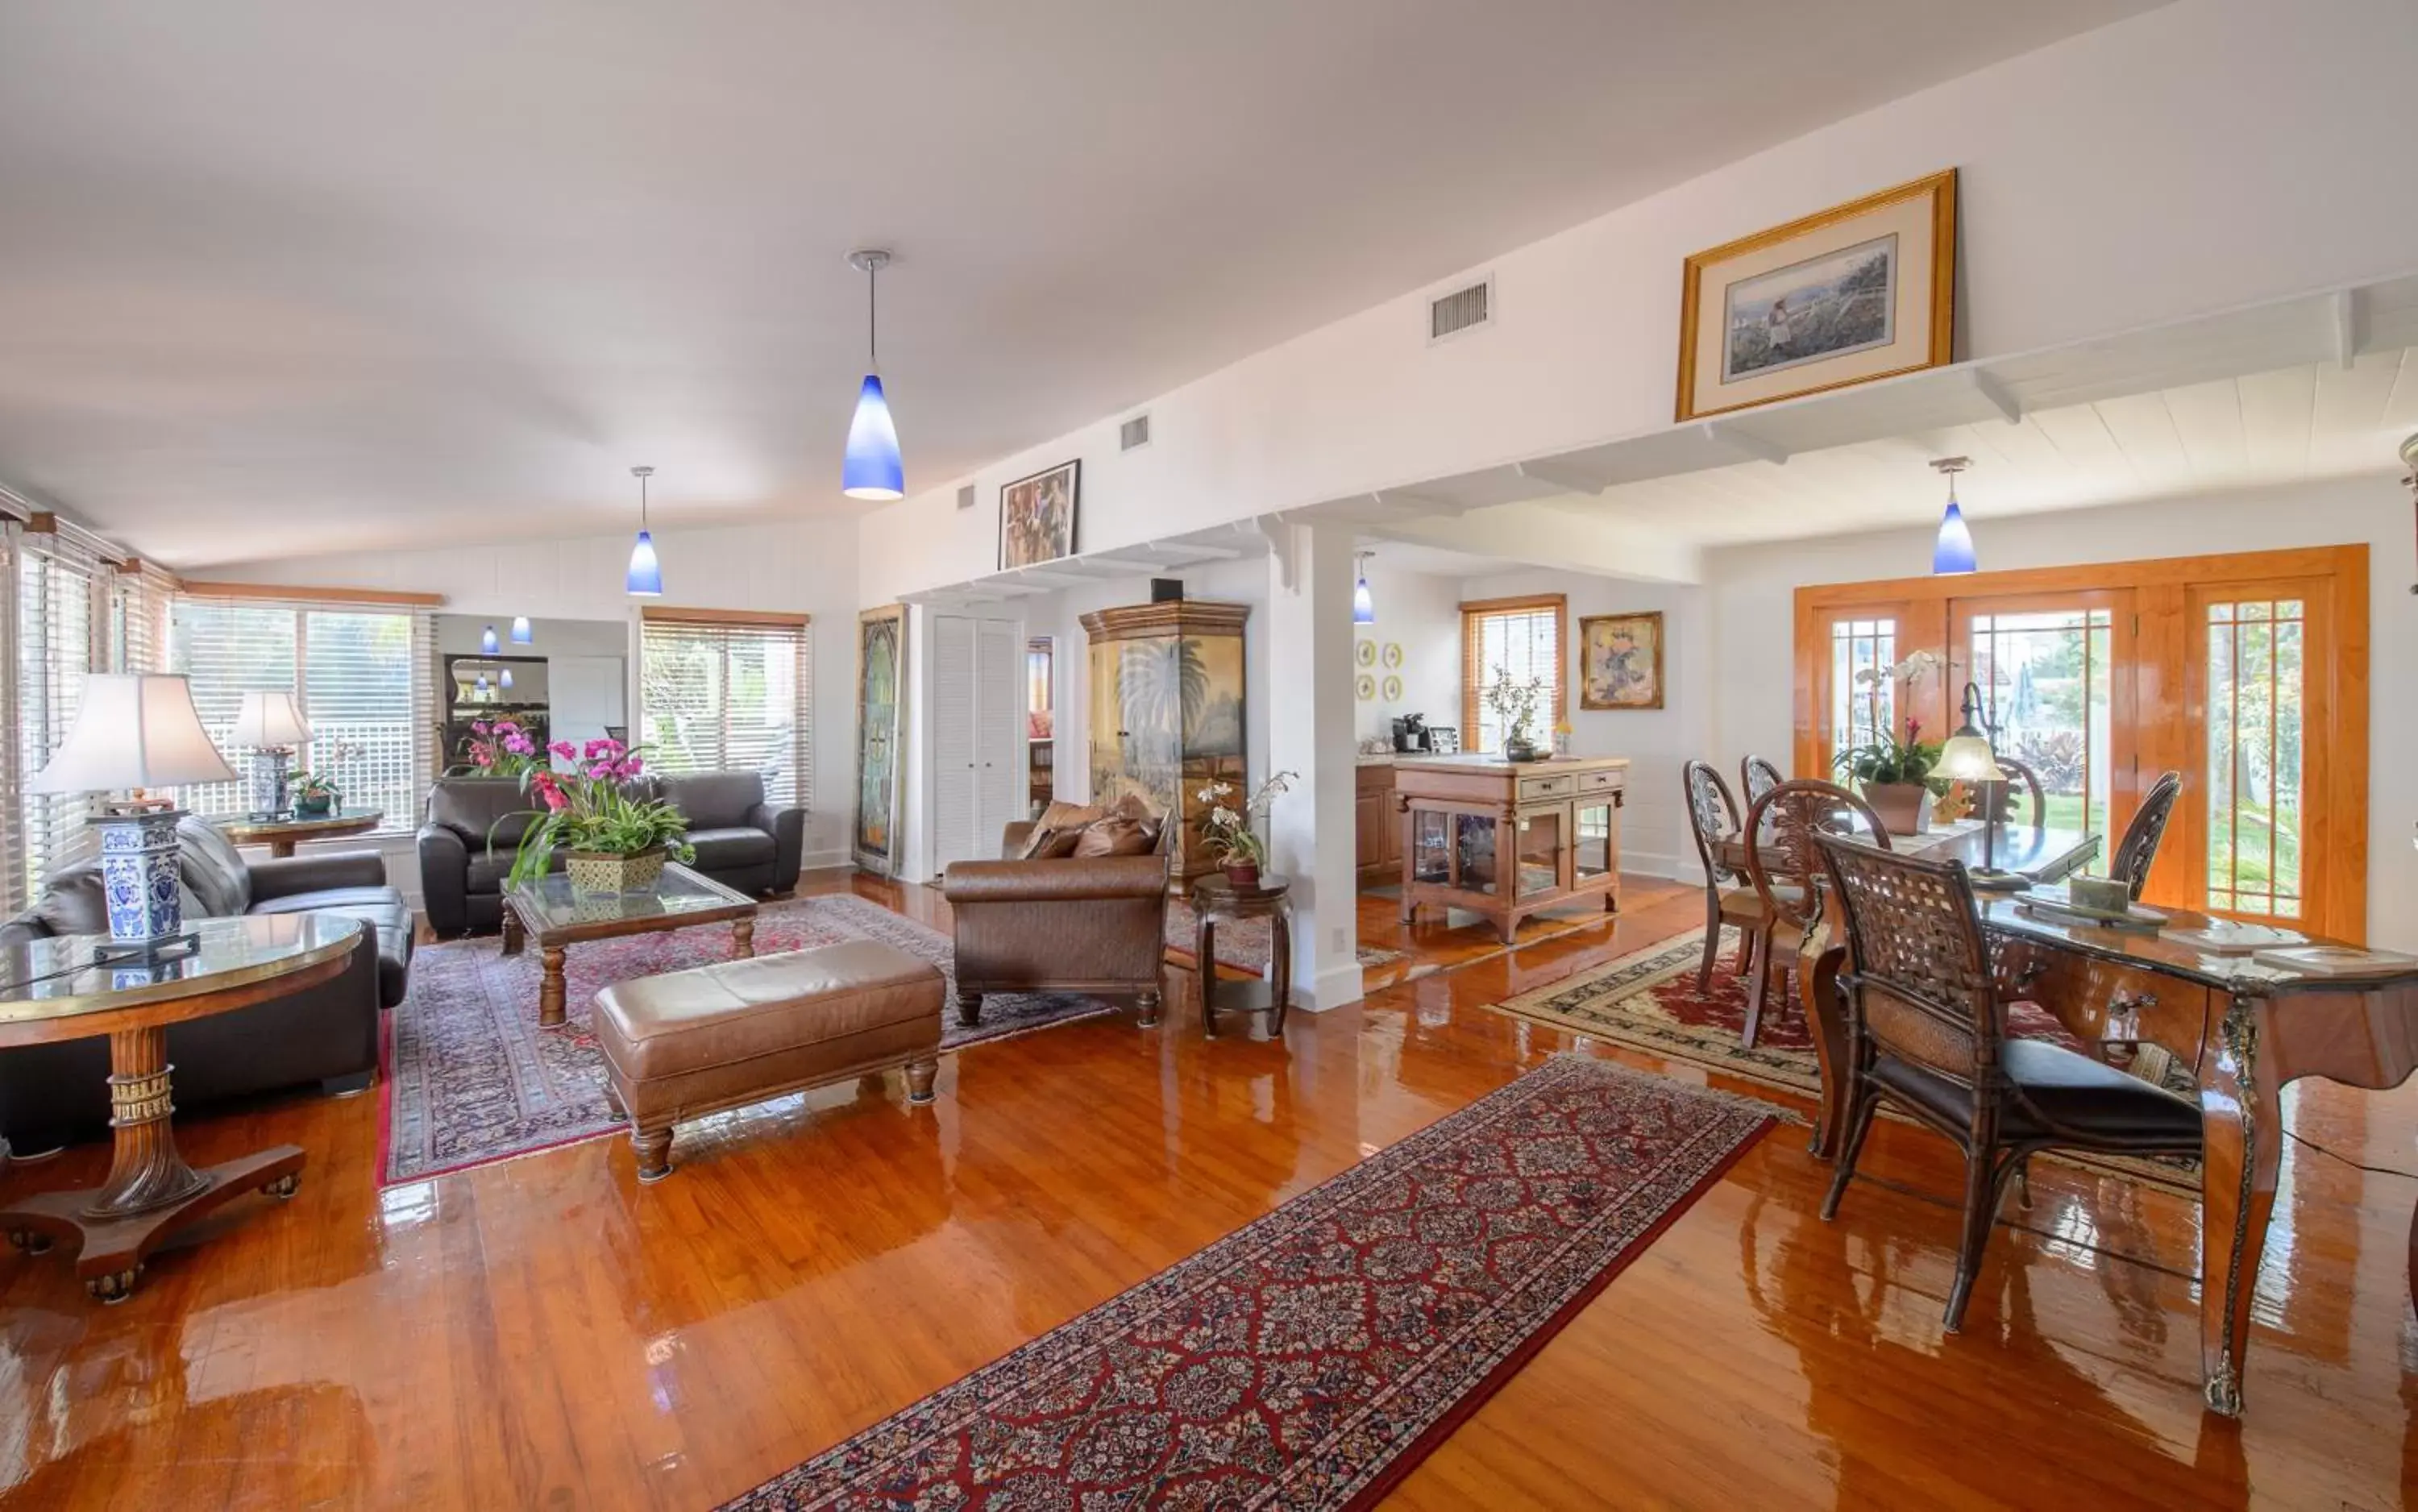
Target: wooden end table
(550, 912)
(51, 989)
(1214, 897)
(281, 833)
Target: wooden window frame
(1473, 675)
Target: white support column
(1311, 732)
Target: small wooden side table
(282, 834)
(1213, 898)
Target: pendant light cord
(872, 313)
(642, 501)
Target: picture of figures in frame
(1036, 516)
(880, 664)
(1620, 660)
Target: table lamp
(269, 724)
(135, 731)
(1967, 758)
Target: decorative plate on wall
(1366, 686)
(1393, 653)
(1393, 689)
(1364, 653)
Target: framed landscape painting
(1036, 516)
(1865, 290)
(880, 664)
(1620, 660)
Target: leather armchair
(1096, 924)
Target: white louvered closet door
(999, 729)
(955, 773)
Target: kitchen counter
(1506, 839)
(1467, 761)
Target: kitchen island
(1506, 839)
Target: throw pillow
(1115, 836)
(1057, 817)
(1057, 844)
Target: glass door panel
(2254, 671)
(1474, 852)
(2055, 680)
(1540, 853)
(1430, 845)
(1591, 851)
(1862, 695)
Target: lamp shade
(268, 720)
(1364, 607)
(505, 677)
(645, 576)
(1953, 552)
(132, 730)
(522, 634)
(872, 469)
(1968, 757)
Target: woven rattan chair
(2138, 850)
(1784, 868)
(1758, 776)
(1712, 818)
(2002, 794)
(1927, 1031)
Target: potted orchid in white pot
(1231, 834)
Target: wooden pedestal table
(51, 989)
(1213, 898)
(557, 917)
(281, 835)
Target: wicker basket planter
(605, 870)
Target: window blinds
(729, 693)
(1522, 639)
(60, 637)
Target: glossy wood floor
(545, 1333)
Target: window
(727, 691)
(351, 669)
(55, 591)
(1518, 638)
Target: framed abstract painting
(1036, 516)
(1620, 660)
(1861, 291)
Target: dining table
(2240, 1018)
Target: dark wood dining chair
(2138, 850)
(1785, 868)
(2002, 795)
(1927, 1031)
(1758, 776)
(1713, 819)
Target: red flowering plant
(595, 805)
(501, 748)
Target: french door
(2055, 673)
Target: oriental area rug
(1311, 1359)
(1244, 944)
(1648, 1001)
(467, 1077)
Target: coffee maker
(1411, 734)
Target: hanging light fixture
(1953, 552)
(522, 634)
(479, 688)
(487, 645)
(505, 677)
(1363, 608)
(646, 577)
(872, 469)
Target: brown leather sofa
(474, 824)
(327, 1035)
(1082, 924)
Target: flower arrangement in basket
(613, 839)
(1230, 834)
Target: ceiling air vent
(1134, 433)
(1461, 310)
(966, 496)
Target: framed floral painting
(1036, 516)
(1620, 660)
(1861, 291)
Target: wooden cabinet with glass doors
(1506, 839)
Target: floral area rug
(470, 1078)
(1311, 1359)
(1244, 944)
(1648, 1001)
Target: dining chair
(2003, 794)
(1713, 819)
(1758, 776)
(1927, 1033)
(2138, 850)
(1785, 870)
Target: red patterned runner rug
(1311, 1359)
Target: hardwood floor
(545, 1333)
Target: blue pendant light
(522, 634)
(487, 645)
(646, 577)
(479, 687)
(872, 469)
(1953, 552)
(1363, 608)
(506, 677)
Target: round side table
(1215, 898)
(281, 835)
(55, 989)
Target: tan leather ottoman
(690, 1043)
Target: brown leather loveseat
(1080, 924)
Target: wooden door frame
(2163, 647)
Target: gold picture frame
(1876, 279)
(1620, 660)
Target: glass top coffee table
(548, 911)
(54, 989)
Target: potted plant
(1895, 772)
(614, 839)
(315, 795)
(1515, 705)
(1230, 834)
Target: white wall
(1653, 822)
(807, 566)
(1420, 612)
(1751, 673)
(2168, 166)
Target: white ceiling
(291, 276)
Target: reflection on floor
(546, 1332)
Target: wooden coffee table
(50, 990)
(548, 911)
